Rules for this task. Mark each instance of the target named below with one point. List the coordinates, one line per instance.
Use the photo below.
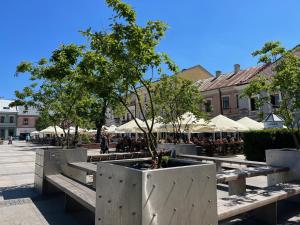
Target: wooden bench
(236, 179)
(218, 161)
(264, 200)
(80, 193)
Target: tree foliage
(124, 56)
(285, 65)
(173, 97)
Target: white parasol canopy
(251, 124)
(224, 124)
(51, 130)
(130, 127)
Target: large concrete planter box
(176, 195)
(284, 158)
(188, 149)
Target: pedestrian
(10, 140)
(104, 145)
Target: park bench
(74, 191)
(262, 201)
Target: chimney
(237, 68)
(218, 73)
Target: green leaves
(285, 66)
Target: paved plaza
(17, 194)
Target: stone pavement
(16, 190)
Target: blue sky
(213, 33)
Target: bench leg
(267, 214)
(237, 187)
(219, 167)
(277, 178)
(71, 205)
(94, 180)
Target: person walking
(10, 140)
(104, 145)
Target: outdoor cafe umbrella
(250, 123)
(131, 127)
(224, 124)
(51, 130)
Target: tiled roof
(230, 79)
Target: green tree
(60, 97)
(173, 97)
(124, 57)
(285, 65)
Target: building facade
(194, 74)
(8, 119)
(26, 121)
(222, 94)
(16, 121)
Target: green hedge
(256, 142)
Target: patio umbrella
(51, 130)
(131, 127)
(250, 123)
(224, 124)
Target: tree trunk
(101, 120)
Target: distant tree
(286, 81)
(173, 97)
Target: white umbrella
(224, 124)
(34, 133)
(111, 129)
(251, 124)
(51, 130)
(131, 127)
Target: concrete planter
(185, 194)
(283, 158)
(189, 149)
(54, 161)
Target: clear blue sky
(213, 33)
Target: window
(207, 105)
(225, 102)
(275, 100)
(253, 104)
(11, 119)
(25, 121)
(237, 101)
(2, 119)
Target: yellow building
(194, 73)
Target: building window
(11, 119)
(275, 99)
(207, 105)
(253, 104)
(2, 119)
(25, 121)
(237, 101)
(225, 102)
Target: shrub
(256, 142)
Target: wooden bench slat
(85, 166)
(222, 160)
(75, 190)
(231, 175)
(235, 205)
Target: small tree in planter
(125, 58)
(173, 98)
(285, 65)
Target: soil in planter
(167, 162)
